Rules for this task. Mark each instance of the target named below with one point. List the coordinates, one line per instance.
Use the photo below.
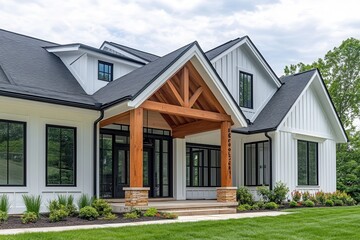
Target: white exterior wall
(306, 121)
(241, 59)
(37, 115)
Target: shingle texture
(26, 68)
(149, 57)
(279, 105)
(211, 54)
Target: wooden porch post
(136, 194)
(226, 193)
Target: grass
(314, 223)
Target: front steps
(184, 207)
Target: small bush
(244, 207)
(264, 192)
(350, 201)
(29, 217)
(293, 204)
(338, 202)
(136, 211)
(261, 204)
(101, 206)
(277, 195)
(150, 212)
(4, 204)
(244, 196)
(53, 205)
(309, 203)
(88, 213)
(168, 215)
(3, 216)
(131, 215)
(110, 216)
(84, 201)
(255, 207)
(296, 196)
(320, 197)
(329, 203)
(306, 196)
(58, 215)
(271, 205)
(32, 204)
(66, 201)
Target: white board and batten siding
(307, 121)
(37, 115)
(242, 59)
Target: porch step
(203, 211)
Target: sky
(286, 31)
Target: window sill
(308, 186)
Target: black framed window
(257, 163)
(105, 71)
(60, 156)
(245, 90)
(307, 163)
(203, 165)
(12, 153)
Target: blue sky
(286, 32)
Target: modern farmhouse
(120, 123)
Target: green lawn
(317, 223)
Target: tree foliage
(340, 69)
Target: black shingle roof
(29, 71)
(149, 57)
(279, 105)
(212, 53)
(131, 85)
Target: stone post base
(226, 194)
(136, 196)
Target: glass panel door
(121, 172)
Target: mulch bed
(15, 222)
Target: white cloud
(286, 31)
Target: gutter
(95, 149)
(270, 146)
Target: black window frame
(111, 75)
(24, 154)
(307, 162)
(257, 165)
(75, 157)
(241, 93)
(208, 148)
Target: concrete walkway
(115, 225)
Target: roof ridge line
(224, 44)
(132, 48)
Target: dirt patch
(15, 222)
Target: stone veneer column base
(226, 194)
(136, 196)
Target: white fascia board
(240, 121)
(126, 54)
(116, 109)
(109, 58)
(64, 48)
(257, 56)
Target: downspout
(95, 149)
(270, 146)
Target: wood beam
(185, 85)
(226, 164)
(194, 128)
(185, 112)
(175, 92)
(117, 118)
(195, 96)
(136, 147)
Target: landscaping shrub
(293, 204)
(244, 207)
(313, 199)
(110, 216)
(131, 215)
(136, 211)
(29, 217)
(84, 201)
(329, 203)
(150, 212)
(101, 206)
(255, 206)
(32, 204)
(271, 205)
(309, 203)
(296, 196)
(320, 197)
(350, 201)
(3, 216)
(88, 213)
(338, 202)
(58, 215)
(168, 215)
(339, 195)
(67, 202)
(4, 204)
(277, 195)
(306, 196)
(261, 204)
(244, 196)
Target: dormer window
(105, 71)
(245, 90)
